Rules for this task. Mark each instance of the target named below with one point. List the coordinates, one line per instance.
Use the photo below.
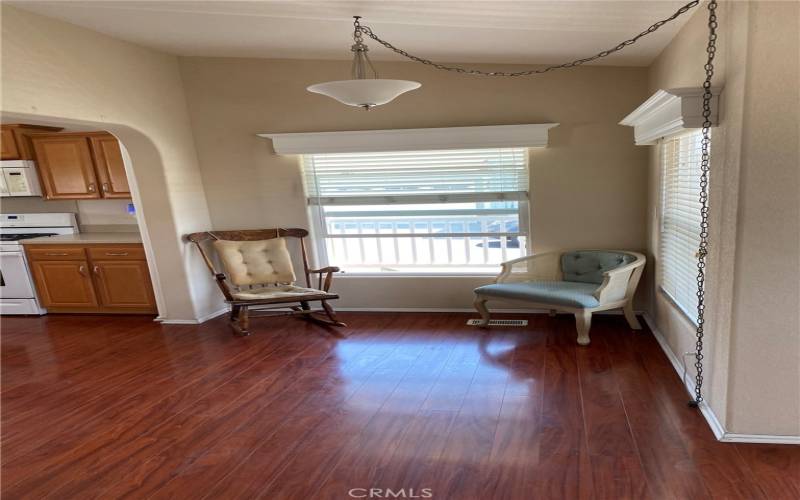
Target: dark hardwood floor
(113, 407)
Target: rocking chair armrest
(324, 284)
(329, 269)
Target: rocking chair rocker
(259, 272)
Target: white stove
(17, 292)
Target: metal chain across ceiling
(359, 92)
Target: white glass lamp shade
(364, 93)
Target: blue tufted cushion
(560, 293)
(588, 266)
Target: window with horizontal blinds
(473, 173)
(419, 211)
(680, 219)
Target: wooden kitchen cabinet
(123, 284)
(15, 141)
(66, 169)
(8, 149)
(64, 284)
(109, 165)
(80, 166)
(107, 278)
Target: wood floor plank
(368, 452)
(670, 470)
(617, 470)
(148, 457)
(315, 459)
(137, 435)
(280, 419)
(132, 409)
(122, 420)
(776, 467)
(722, 469)
(155, 381)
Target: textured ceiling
(466, 31)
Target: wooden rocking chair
(259, 268)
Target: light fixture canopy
(363, 90)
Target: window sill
(415, 275)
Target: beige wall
(587, 187)
(53, 71)
(753, 342)
(765, 354)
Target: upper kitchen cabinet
(16, 144)
(66, 168)
(110, 167)
(80, 166)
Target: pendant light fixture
(365, 90)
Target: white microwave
(19, 178)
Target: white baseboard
(202, 319)
(434, 310)
(731, 437)
(457, 310)
(708, 413)
(713, 422)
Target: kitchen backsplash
(92, 215)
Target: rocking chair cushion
(276, 292)
(557, 293)
(256, 262)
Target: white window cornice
(668, 112)
(412, 139)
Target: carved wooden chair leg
(242, 323)
(583, 322)
(235, 312)
(633, 322)
(331, 314)
(480, 305)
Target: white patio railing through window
(423, 240)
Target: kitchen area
(69, 238)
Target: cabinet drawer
(55, 252)
(117, 252)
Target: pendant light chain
(711, 49)
(571, 64)
(702, 251)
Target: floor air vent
(500, 322)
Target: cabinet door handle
(105, 187)
(121, 254)
(96, 270)
(82, 270)
(92, 187)
(56, 254)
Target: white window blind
(419, 211)
(680, 219)
(484, 174)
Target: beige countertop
(84, 238)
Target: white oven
(19, 178)
(17, 291)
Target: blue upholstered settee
(576, 281)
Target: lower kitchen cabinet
(92, 278)
(123, 284)
(64, 284)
